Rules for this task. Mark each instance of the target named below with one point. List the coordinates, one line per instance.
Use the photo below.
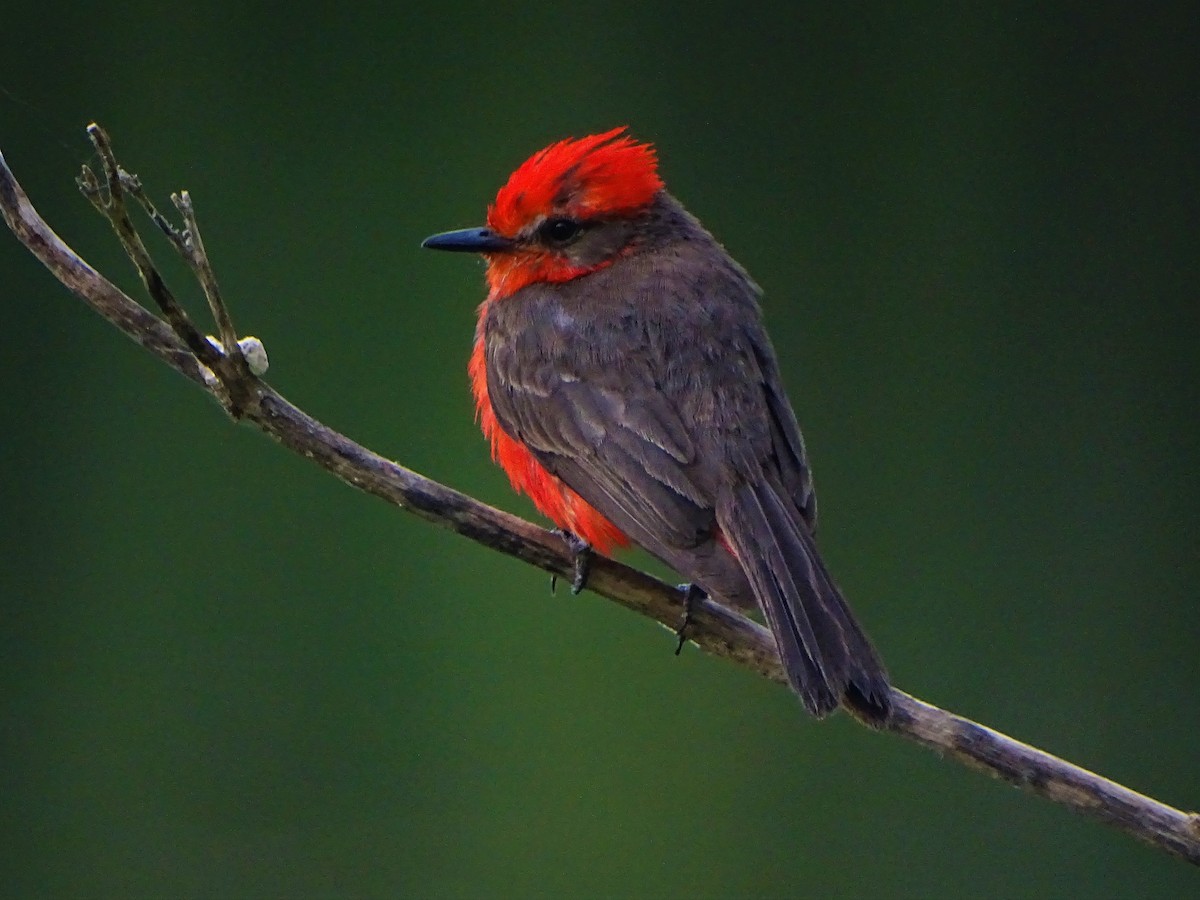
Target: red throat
(508, 272)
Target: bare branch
(197, 258)
(715, 628)
(111, 205)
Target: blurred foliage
(224, 674)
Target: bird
(624, 379)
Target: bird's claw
(691, 594)
(582, 552)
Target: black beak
(468, 240)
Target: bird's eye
(560, 230)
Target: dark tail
(827, 656)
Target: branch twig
(222, 370)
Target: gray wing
(607, 430)
(648, 416)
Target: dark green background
(225, 674)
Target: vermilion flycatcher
(623, 376)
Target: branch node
(233, 378)
(89, 185)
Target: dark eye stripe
(559, 230)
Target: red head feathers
(602, 174)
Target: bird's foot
(691, 594)
(582, 551)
